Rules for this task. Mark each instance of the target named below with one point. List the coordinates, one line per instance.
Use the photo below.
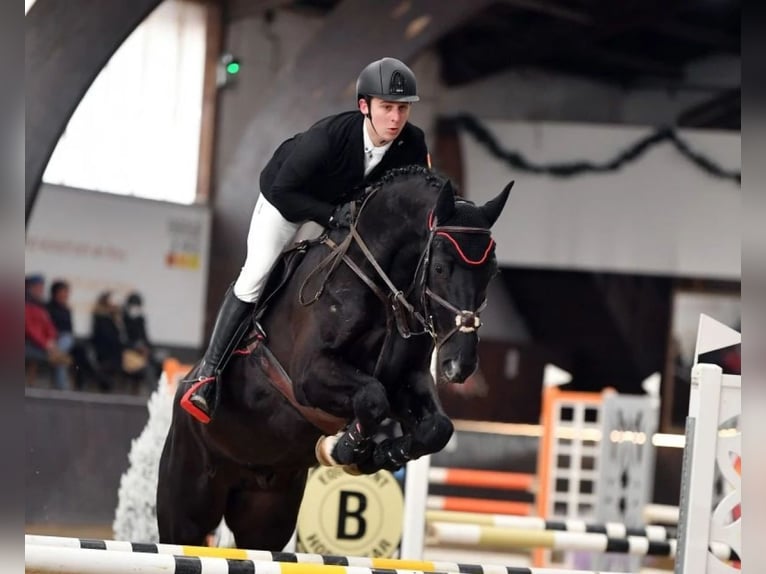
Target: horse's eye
(439, 268)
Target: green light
(232, 68)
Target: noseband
(398, 308)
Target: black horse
(350, 340)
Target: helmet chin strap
(368, 115)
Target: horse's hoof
(350, 449)
(323, 450)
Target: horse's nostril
(450, 369)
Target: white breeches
(269, 234)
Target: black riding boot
(199, 400)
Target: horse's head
(453, 258)
(459, 264)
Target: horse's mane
(465, 214)
(429, 176)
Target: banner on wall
(103, 242)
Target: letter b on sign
(351, 522)
(350, 515)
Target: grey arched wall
(68, 42)
(318, 82)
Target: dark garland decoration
(518, 161)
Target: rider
(313, 176)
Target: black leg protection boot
(199, 400)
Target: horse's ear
(445, 204)
(494, 207)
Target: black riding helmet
(388, 79)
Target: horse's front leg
(426, 428)
(369, 404)
(355, 444)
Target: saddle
(281, 273)
(279, 276)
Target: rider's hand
(341, 216)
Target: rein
(399, 310)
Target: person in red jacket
(40, 335)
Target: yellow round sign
(350, 515)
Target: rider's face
(388, 118)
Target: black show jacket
(312, 172)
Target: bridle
(466, 321)
(399, 311)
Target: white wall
(98, 241)
(659, 215)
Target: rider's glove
(341, 216)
